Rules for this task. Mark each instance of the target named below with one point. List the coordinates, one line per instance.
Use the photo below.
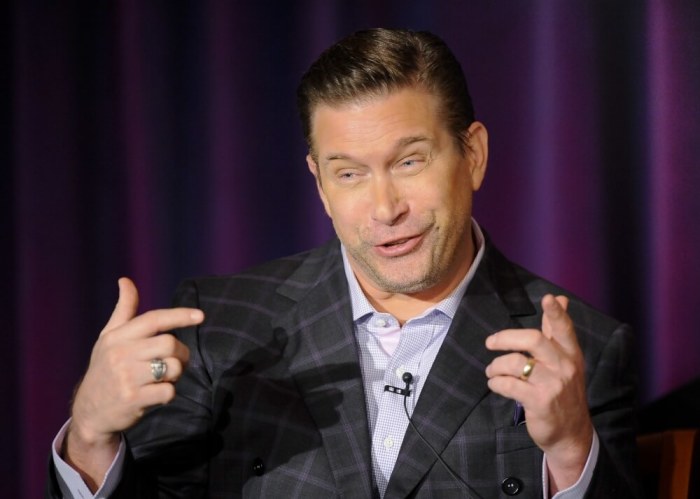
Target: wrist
(89, 454)
(80, 435)
(567, 460)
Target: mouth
(396, 242)
(398, 247)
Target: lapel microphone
(406, 392)
(408, 379)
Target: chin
(404, 284)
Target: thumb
(127, 305)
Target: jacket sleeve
(167, 451)
(611, 394)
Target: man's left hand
(553, 392)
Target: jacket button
(258, 466)
(511, 486)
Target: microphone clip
(399, 391)
(406, 391)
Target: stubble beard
(397, 280)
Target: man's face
(398, 190)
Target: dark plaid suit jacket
(272, 404)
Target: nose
(388, 204)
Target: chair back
(670, 463)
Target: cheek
(437, 195)
(345, 213)
(452, 203)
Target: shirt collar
(362, 307)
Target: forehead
(375, 120)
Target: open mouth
(398, 247)
(396, 243)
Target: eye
(411, 164)
(347, 175)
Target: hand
(118, 386)
(554, 395)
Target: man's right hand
(118, 386)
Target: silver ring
(527, 369)
(158, 369)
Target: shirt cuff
(69, 480)
(577, 490)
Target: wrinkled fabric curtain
(160, 140)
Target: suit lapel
(321, 352)
(457, 383)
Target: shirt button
(380, 323)
(399, 371)
(388, 442)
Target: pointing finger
(160, 321)
(523, 340)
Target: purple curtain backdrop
(160, 140)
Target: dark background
(159, 140)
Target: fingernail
(197, 315)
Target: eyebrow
(399, 144)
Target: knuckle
(557, 387)
(176, 369)
(569, 370)
(539, 340)
(108, 339)
(169, 342)
(129, 394)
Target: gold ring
(527, 369)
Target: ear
(315, 171)
(478, 153)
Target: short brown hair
(375, 62)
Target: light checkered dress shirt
(387, 351)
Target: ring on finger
(528, 368)
(158, 369)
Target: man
(298, 378)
